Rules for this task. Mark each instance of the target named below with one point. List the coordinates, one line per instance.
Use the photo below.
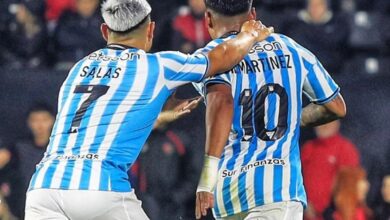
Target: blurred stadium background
(41, 39)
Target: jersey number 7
(96, 92)
(258, 105)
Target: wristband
(209, 176)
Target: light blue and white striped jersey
(261, 161)
(107, 107)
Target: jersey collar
(119, 47)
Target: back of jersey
(106, 110)
(261, 164)
(103, 93)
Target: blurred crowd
(348, 36)
(52, 33)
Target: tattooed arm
(315, 115)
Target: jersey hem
(216, 81)
(329, 99)
(97, 190)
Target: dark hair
(229, 7)
(40, 107)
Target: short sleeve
(218, 79)
(180, 69)
(223, 78)
(318, 86)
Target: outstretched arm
(315, 115)
(175, 109)
(228, 54)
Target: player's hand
(185, 107)
(257, 29)
(204, 202)
(176, 109)
(181, 105)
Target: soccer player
(253, 116)
(107, 107)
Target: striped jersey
(107, 107)
(261, 161)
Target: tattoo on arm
(315, 115)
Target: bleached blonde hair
(123, 15)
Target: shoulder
(168, 56)
(280, 36)
(211, 45)
(284, 40)
(167, 53)
(277, 41)
(291, 44)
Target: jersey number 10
(258, 106)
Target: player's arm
(315, 114)
(219, 116)
(180, 69)
(324, 93)
(175, 109)
(226, 55)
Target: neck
(224, 30)
(130, 42)
(233, 25)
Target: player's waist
(258, 183)
(81, 172)
(247, 160)
(88, 156)
(240, 153)
(228, 169)
(88, 161)
(72, 157)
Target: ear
(208, 19)
(104, 30)
(151, 28)
(252, 14)
(210, 23)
